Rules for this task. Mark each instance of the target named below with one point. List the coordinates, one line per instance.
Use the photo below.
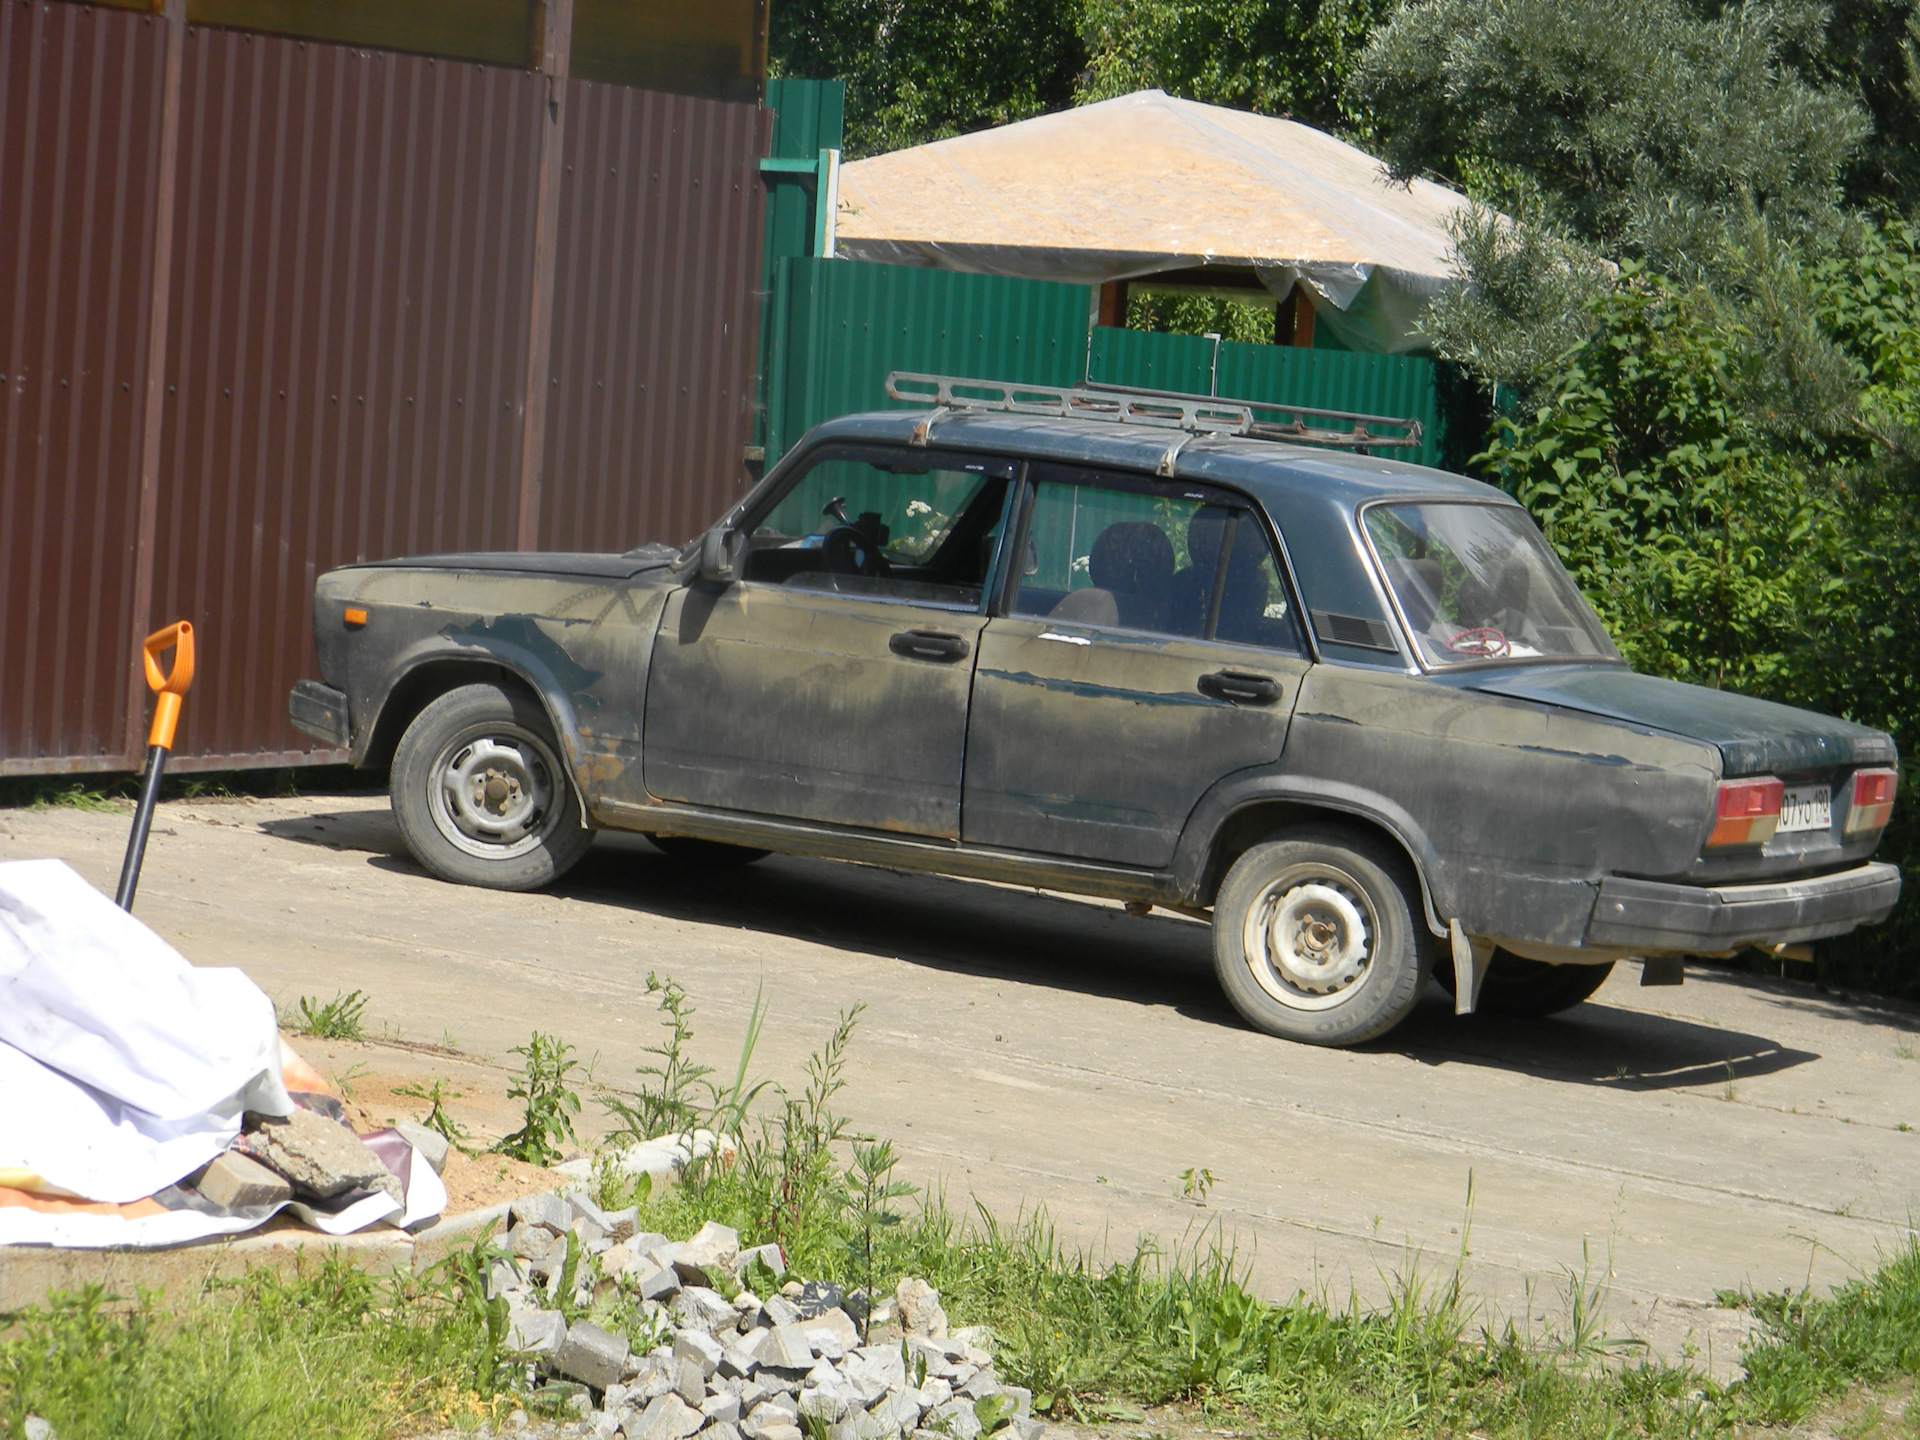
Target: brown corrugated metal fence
(349, 323)
(80, 92)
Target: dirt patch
(1871, 1412)
(474, 1184)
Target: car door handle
(928, 645)
(1240, 687)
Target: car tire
(480, 794)
(692, 850)
(1529, 989)
(1318, 938)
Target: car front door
(1151, 646)
(831, 682)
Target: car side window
(1167, 559)
(887, 523)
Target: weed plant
(341, 1018)
(548, 1101)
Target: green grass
(334, 1353)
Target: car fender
(1239, 793)
(496, 652)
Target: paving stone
(824, 1339)
(770, 1256)
(721, 1430)
(701, 1348)
(536, 1332)
(937, 1391)
(956, 1417)
(666, 1418)
(917, 1304)
(591, 1355)
(780, 1432)
(830, 1403)
(319, 1156)
(780, 1380)
(737, 1362)
(982, 1382)
(724, 1408)
(641, 1241)
(703, 1309)
(862, 1426)
(543, 1209)
(593, 1238)
(774, 1409)
(779, 1310)
(654, 1283)
(688, 1383)
(787, 1348)
(900, 1410)
(235, 1182)
(504, 1275)
(875, 1367)
(840, 1324)
(431, 1144)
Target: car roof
(1273, 471)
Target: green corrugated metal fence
(839, 326)
(1400, 386)
(846, 324)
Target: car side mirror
(721, 552)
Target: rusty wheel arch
(1260, 820)
(426, 682)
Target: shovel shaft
(142, 822)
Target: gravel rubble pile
(744, 1368)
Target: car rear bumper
(320, 711)
(1650, 915)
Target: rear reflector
(1870, 803)
(1746, 812)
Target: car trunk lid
(1754, 737)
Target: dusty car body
(1350, 710)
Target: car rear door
(831, 683)
(1150, 647)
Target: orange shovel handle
(171, 684)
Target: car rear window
(1478, 583)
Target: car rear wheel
(1316, 938)
(480, 794)
(694, 851)
(1530, 988)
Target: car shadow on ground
(1064, 943)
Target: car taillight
(1871, 804)
(1745, 812)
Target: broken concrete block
(702, 1309)
(667, 1417)
(956, 1417)
(839, 1325)
(319, 1156)
(708, 1258)
(917, 1306)
(655, 1283)
(1025, 1427)
(689, 1384)
(537, 1332)
(431, 1144)
(779, 1310)
(770, 1256)
(724, 1409)
(701, 1348)
(591, 1355)
(620, 1225)
(783, 1432)
(786, 1348)
(234, 1182)
(737, 1362)
(816, 1297)
(543, 1209)
(899, 1410)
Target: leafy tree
(917, 70)
(1873, 47)
(1643, 126)
(1269, 56)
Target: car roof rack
(1163, 409)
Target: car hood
(537, 562)
(1754, 737)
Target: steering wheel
(848, 552)
(1483, 641)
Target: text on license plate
(1806, 807)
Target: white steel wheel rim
(1310, 937)
(495, 795)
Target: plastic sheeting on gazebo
(1146, 183)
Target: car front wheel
(480, 795)
(1318, 938)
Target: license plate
(1806, 807)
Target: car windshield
(1477, 582)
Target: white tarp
(1148, 183)
(124, 1069)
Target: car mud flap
(1471, 959)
